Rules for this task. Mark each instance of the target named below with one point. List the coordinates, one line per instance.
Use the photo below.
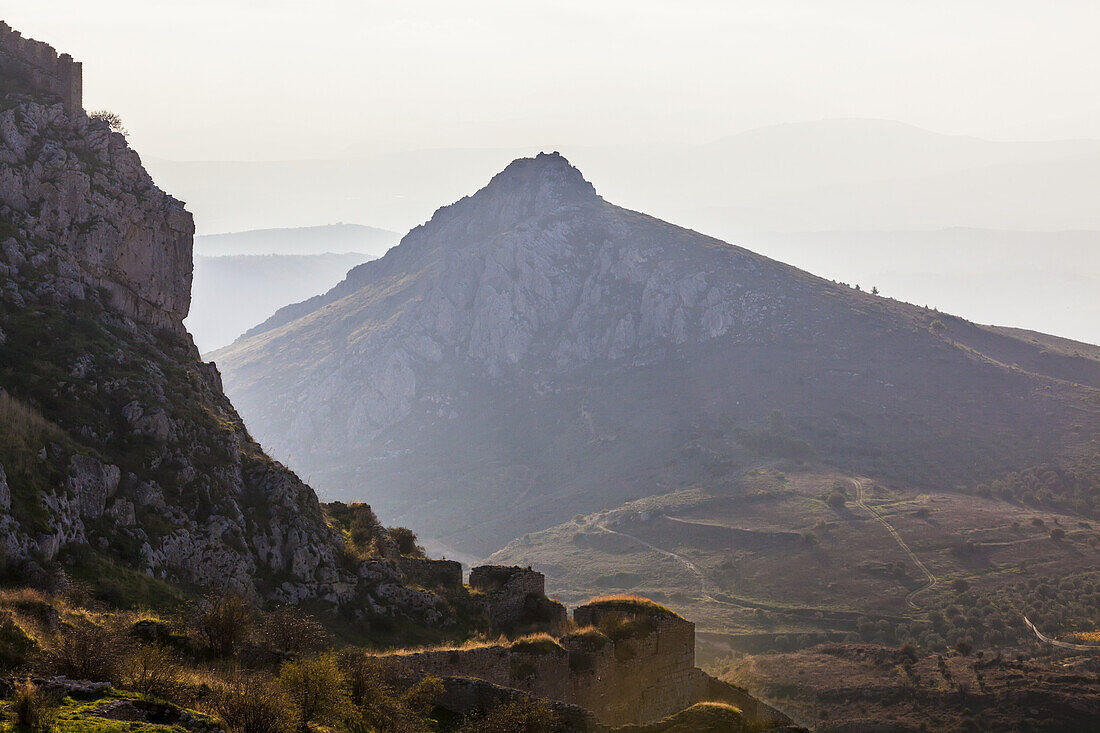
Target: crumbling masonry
(37, 68)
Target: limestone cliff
(119, 446)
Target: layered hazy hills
(232, 293)
(241, 278)
(314, 240)
(533, 352)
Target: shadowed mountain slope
(533, 351)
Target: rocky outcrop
(71, 181)
(122, 445)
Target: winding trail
(725, 599)
(678, 558)
(932, 580)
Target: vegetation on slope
(248, 670)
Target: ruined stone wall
(638, 678)
(632, 680)
(515, 597)
(38, 65)
(431, 573)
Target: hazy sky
(271, 79)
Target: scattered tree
(111, 119)
(317, 689)
(288, 630)
(152, 672)
(406, 541)
(224, 622)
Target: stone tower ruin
(34, 67)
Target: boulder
(92, 482)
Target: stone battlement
(38, 67)
(515, 598)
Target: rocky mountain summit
(120, 455)
(533, 351)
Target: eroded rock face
(130, 449)
(534, 273)
(70, 180)
(92, 482)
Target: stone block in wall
(518, 580)
(38, 66)
(431, 573)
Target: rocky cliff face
(71, 181)
(119, 446)
(534, 351)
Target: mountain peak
(540, 184)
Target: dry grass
(629, 602)
(468, 645)
(530, 642)
(539, 644)
(1084, 637)
(23, 423)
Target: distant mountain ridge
(533, 351)
(328, 239)
(233, 293)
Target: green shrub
(16, 646)
(153, 672)
(85, 650)
(223, 623)
(406, 541)
(252, 703)
(379, 707)
(317, 689)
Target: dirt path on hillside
(723, 598)
(1060, 644)
(932, 580)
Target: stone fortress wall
(38, 65)
(644, 672)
